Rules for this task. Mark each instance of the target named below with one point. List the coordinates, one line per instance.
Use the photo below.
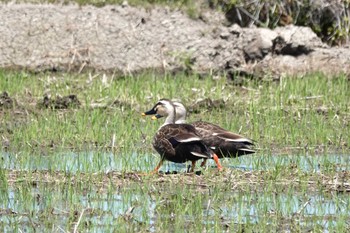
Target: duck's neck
(180, 115)
(170, 118)
(180, 121)
(180, 118)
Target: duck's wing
(223, 142)
(232, 137)
(206, 129)
(172, 137)
(186, 135)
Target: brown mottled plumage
(223, 142)
(177, 142)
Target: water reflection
(104, 162)
(337, 162)
(102, 210)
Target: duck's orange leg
(204, 162)
(216, 159)
(193, 166)
(155, 170)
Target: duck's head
(163, 108)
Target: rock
(294, 40)
(224, 35)
(258, 43)
(332, 62)
(235, 30)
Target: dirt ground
(128, 39)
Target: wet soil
(65, 102)
(229, 179)
(6, 101)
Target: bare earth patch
(128, 39)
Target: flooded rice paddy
(294, 183)
(106, 162)
(106, 192)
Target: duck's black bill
(150, 112)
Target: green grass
(306, 112)
(298, 114)
(59, 166)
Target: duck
(224, 143)
(179, 142)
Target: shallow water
(104, 162)
(339, 162)
(102, 210)
(51, 208)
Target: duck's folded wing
(187, 138)
(232, 137)
(183, 138)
